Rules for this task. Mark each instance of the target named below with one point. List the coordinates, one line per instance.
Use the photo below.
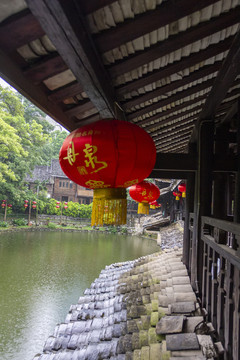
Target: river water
(43, 273)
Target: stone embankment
(137, 310)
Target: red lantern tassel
(109, 206)
(143, 208)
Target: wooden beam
(166, 174)
(163, 90)
(184, 63)
(18, 30)
(175, 42)
(224, 80)
(45, 69)
(147, 22)
(66, 29)
(13, 75)
(172, 138)
(171, 99)
(65, 92)
(176, 162)
(226, 76)
(230, 114)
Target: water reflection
(43, 273)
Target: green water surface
(43, 273)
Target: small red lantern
(3, 205)
(65, 207)
(58, 202)
(182, 189)
(9, 205)
(144, 193)
(34, 206)
(26, 201)
(65, 203)
(57, 206)
(4, 201)
(177, 195)
(108, 156)
(34, 202)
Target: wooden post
(202, 198)
(189, 205)
(220, 179)
(237, 184)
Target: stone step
(186, 307)
(170, 325)
(187, 341)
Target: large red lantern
(182, 189)
(144, 193)
(108, 156)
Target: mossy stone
(154, 318)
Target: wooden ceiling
(164, 65)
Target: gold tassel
(183, 194)
(143, 208)
(109, 207)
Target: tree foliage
(27, 139)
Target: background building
(57, 184)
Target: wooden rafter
(82, 109)
(177, 66)
(147, 22)
(67, 31)
(162, 125)
(163, 90)
(22, 28)
(181, 130)
(175, 42)
(171, 99)
(169, 112)
(65, 92)
(44, 69)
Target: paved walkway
(137, 310)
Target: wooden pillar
(202, 198)
(237, 183)
(189, 206)
(220, 179)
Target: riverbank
(136, 310)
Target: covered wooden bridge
(171, 67)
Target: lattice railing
(220, 288)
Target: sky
(5, 84)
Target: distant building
(58, 185)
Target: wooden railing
(220, 287)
